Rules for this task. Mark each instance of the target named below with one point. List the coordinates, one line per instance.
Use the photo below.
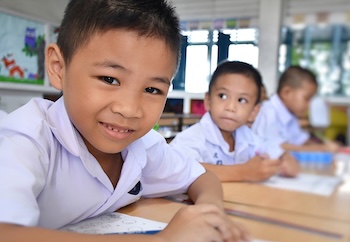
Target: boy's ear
(286, 90)
(207, 101)
(254, 112)
(54, 66)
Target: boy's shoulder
(151, 138)
(246, 134)
(27, 117)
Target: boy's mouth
(116, 129)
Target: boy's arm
(200, 223)
(206, 189)
(14, 233)
(310, 145)
(256, 169)
(207, 194)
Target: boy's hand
(332, 146)
(290, 166)
(202, 223)
(260, 168)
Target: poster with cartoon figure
(22, 50)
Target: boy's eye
(110, 80)
(242, 100)
(153, 90)
(223, 96)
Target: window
(205, 48)
(323, 49)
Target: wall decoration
(22, 50)
(217, 24)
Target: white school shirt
(205, 141)
(274, 121)
(49, 179)
(2, 114)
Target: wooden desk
(335, 207)
(163, 210)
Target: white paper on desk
(309, 183)
(114, 223)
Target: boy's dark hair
(237, 67)
(294, 76)
(84, 18)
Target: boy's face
(232, 101)
(297, 100)
(115, 88)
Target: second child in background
(221, 140)
(278, 117)
(263, 97)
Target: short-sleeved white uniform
(205, 141)
(49, 179)
(2, 114)
(275, 121)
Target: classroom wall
(267, 15)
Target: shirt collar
(213, 135)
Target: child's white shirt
(49, 179)
(205, 141)
(275, 122)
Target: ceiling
(45, 10)
(51, 11)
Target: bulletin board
(22, 50)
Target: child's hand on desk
(260, 168)
(332, 146)
(289, 166)
(202, 223)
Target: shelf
(27, 88)
(187, 97)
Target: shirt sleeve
(192, 141)
(266, 126)
(22, 177)
(300, 136)
(170, 170)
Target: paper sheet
(118, 223)
(114, 223)
(309, 183)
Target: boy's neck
(229, 138)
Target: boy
(94, 150)
(221, 140)
(263, 97)
(278, 116)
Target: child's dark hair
(237, 67)
(294, 76)
(84, 18)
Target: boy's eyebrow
(114, 65)
(241, 93)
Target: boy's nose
(128, 105)
(231, 106)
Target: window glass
(325, 50)
(202, 54)
(244, 52)
(197, 68)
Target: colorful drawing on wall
(22, 50)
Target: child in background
(221, 140)
(263, 97)
(278, 116)
(93, 151)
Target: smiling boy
(93, 151)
